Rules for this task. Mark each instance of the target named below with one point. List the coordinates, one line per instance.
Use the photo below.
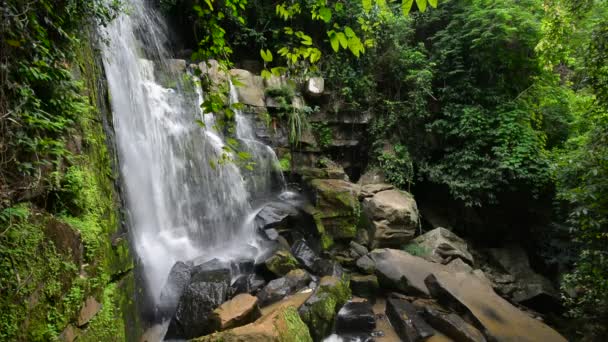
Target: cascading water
(179, 206)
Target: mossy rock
(320, 309)
(281, 263)
(281, 325)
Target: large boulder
(240, 310)
(178, 279)
(319, 311)
(276, 215)
(337, 207)
(304, 254)
(280, 325)
(403, 272)
(393, 216)
(250, 91)
(408, 324)
(442, 246)
(500, 320)
(193, 316)
(365, 286)
(449, 323)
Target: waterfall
(179, 206)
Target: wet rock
(442, 246)
(275, 215)
(304, 254)
(338, 208)
(358, 249)
(212, 271)
(500, 320)
(240, 310)
(193, 316)
(251, 89)
(281, 262)
(242, 266)
(271, 234)
(355, 318)
(256, 283)
(278, 289)
(406, 321)
(90, 308)
(319, 311)
(366, 264)
(212, 69)
(393, 216)
(365, 286)
(324, 267)
(403, 272)
(178, 279)
(451, 324)
(239, 285)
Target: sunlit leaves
(421, 5)
(266, 55)
(406, 6)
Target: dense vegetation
(501, 106)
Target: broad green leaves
(347, 39)
(266, 55)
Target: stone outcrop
(355, 318)
(278, 289)
(407, 322)
(499, 320)
(250, 91)
(393, 216)
(178, 279)
(281, 262)
(442, 246)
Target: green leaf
(406, 6)
(349, 32)
(325, 14)
(333, 39)
(208, 2)
(367, 5)
(13, 43)
(306, 40)
(339, 7)
(266, 55)
(266, 74)
(421, 5)
(433, 3)
(342, 39)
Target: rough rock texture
(406, 321)
(500, 320)
(529, 288)
(281, 325)
(304, 254)
(338, 208)
(193, 316)
(278, 289)
(90, 308)
(394, 218)
(366, 264)
(251, 90)
(442, 246)
(240, 310)
(401, 271)
(369, 190)
(319, 311)
(365, 286)
(450, 324)
(178, 279)
(315, 86)
(355, 318)
(324, 267)
(275, 215)
(281, 262)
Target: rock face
(394, 218)
(450, 324)
(338, 207)
(315, 86)
(178, 279)
(304, 254)
(442, 246)
(500, 320)
(275, 215)
(193, 316)
(319, 311)
(406, 321)
(251, 89)
(90, 308)
(528, 287)
(240, 310)
(401, 271)
(355, 318)
(365, 286)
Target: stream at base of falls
(179, 206)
